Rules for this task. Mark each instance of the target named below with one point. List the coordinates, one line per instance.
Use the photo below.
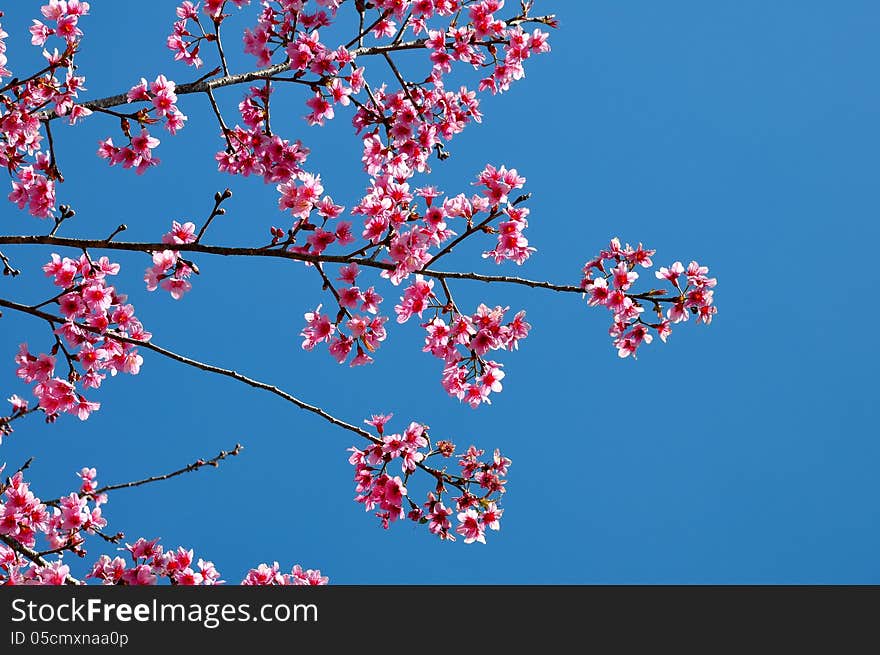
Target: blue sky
(744, 135)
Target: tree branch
(229, 251)
(196, 364)
(195, 466)
(202, 85)
(257, 384)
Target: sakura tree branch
(146, 247)
(257, 384)
(361, 11)
(502, 279)
(122, 227)
(231, 251)
(195, 466)
(223, 127)
(400, 79)
(21, 469)
(449, 300)
(53, 161)
(199, 86)
(203, 85)
(26, 309)
(220, 48)
(65, 213)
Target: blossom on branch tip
(608, 281)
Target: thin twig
(53, 162)
(219, 197)
(448, 293)
(366, 30)
(122, 228)
(400, 79)
(220, 48)
(195, 466)
(7, 267)
(223, 127)
(229, 251)
(24, 467)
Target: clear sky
(744, 135)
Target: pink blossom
(318, 329)
(321, 110)
(471, 527)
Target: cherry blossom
(384, 240)
(94, 314)
(389, 497)
(67, 523)
(607, 282)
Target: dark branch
(195, 466)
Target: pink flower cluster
(608, 281)
(35, 186)
(72, 518)
(254, 151)
(302, 195)
(48, 89)
(394, 223)
(418, 119)
(696, 297)
(150, 562)
(169, 269)
(518, 48)
(512, 245)
(265, 575)
(421, 120)
(181, 41)
(94, 313)
(392, 218)
(4, 72)
(364, 332)
(307, 54)
(277, 26)
(412, 122)
(138, 154)
(56, 88)
(350, 330)
(480, 483)
(462, 344)
(464, 44)
(19, 409)
(161, 94)
(65, 14)
(185, 43)
(24, 517)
